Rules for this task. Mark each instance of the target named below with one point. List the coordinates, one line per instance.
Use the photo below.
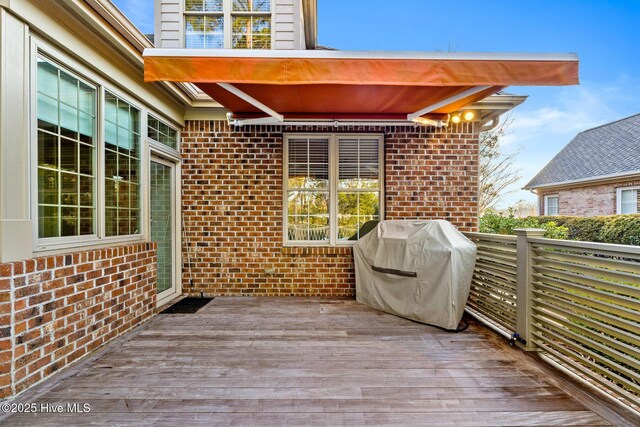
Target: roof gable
(610, 149)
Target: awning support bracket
(415, 117)
(274, 116)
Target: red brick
(232, 205)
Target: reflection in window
(122, 167)
(358, 185)
(162, 132)
(333, 187)
(66, 153)
(629, 201)
(308, 189)
(205, 22)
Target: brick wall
(232, 205)
(587, 200)
(65, 306)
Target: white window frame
(54, 245)
(333, 186)
(546, 204)
(619, 191)
(170, 150)
(227, 14)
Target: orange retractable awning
(354, 85)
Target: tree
(496, 169)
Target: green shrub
(495, 223)
(586, 229)
(621, 229)
(617, 229)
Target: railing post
(522, 337)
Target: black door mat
(187, 305)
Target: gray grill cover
(420, 270)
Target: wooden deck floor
(291, 361)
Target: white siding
(168, 23)
(285, 34)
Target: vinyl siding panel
(170, 28)
(286, 35)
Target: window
(87, 147)
(251, 24)
(162, 132)
(551, 205)
(628, 200)
(236, 24)
(122, 167)
(66, 127)
(333, 187)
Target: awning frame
(275, 118)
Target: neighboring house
(230, 172)
(597, 173)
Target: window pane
(111, 108)
(213, 5)
(204, 32)
(69, 221)
(47, 150)
(203, 5)
(629, 202)
(251, 5)
(68, 155)
(251, 32)
(308, 163)
(86, 99)
(628, 196)
(86, 221)
(194, 5)
(309, 215)
(354, 210)
(48, 221)
(69, 189)
(161, 132)
(122, 171)
(47, 187)
(69, 90)
(47, 113)
(47, 78)
(358, 163)
(111, 193)
(61, 155)
(124, 120)
(86, 159)
(552, 205)
(110, 164)
(86, 127)
(86, 191)
(111, 221)
(308, 228)
(213, 32)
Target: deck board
(292, 361)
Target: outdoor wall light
(467, 115)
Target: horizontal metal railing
(494, 283)
(585, 310)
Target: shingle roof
(610, 149)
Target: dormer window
(229, 24)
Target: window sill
(58, 248)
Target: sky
(604, 34)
